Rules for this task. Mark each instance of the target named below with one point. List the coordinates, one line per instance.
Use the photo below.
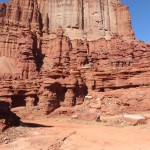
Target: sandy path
(56, 135)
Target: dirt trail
(55, 135)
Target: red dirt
(62, 135)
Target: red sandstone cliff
(66, 53)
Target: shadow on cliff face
(34, 125)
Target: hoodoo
(78, 54)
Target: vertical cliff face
(15, 17)
(88, 16)
(80, 19)
(87, 19)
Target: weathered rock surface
(86, 19)
(68, 53)
(134, 119)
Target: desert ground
(68, 134)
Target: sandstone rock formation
(67, 53)
(86, 19)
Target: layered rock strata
(67, 53)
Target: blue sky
(140, 15)
(4, 0)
